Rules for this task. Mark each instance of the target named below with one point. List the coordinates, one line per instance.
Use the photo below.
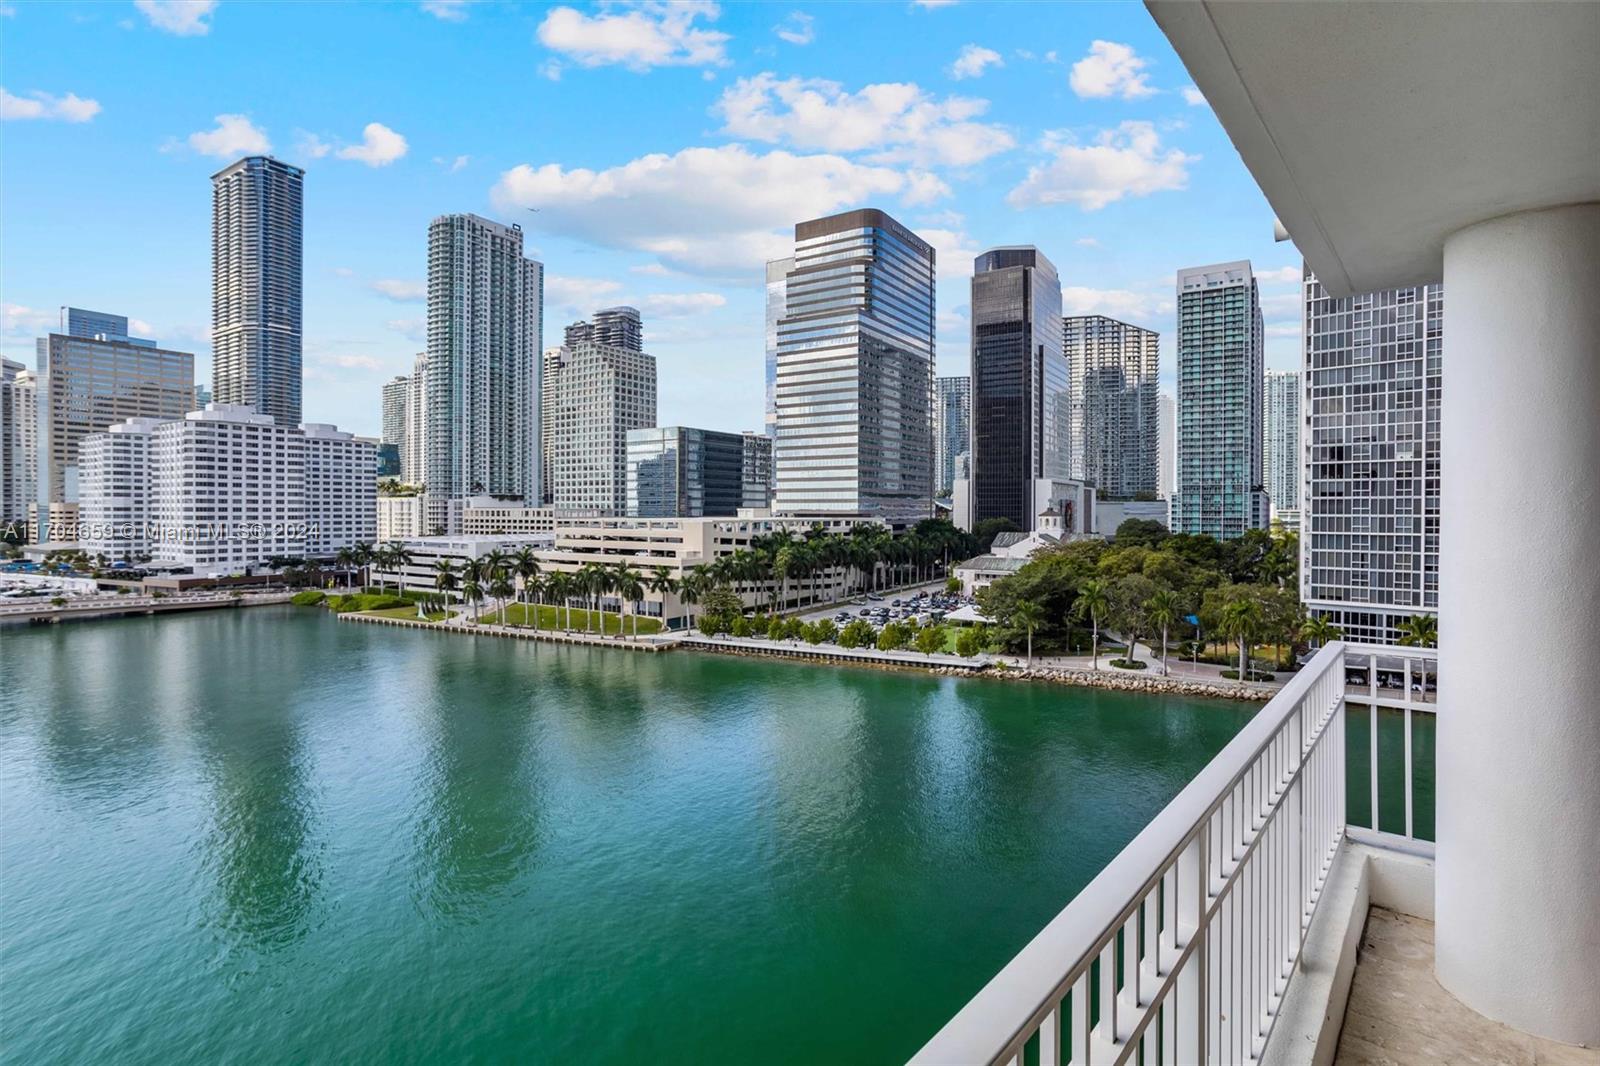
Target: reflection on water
(267, 829)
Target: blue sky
(668, 148)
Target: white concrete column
(1518, 889)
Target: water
(264, 835)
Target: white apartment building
(1116, 435)
(488, 517)
(19, 429)
(1280, 421)
(400, 518)
(597, 394)
(227, 488)
(413, 456)
(114, 482)
(340, 490)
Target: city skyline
(982, 173)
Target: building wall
(598, 394)
(114, 479)
(1116, 433)
(1281, 458)
(1021, 417)
(485, 319)
(1369, 519)
(1168, 478)
(399, 518)
(756, 476)
(683, 472)
(1220, 365)
(19, 453)
(397, 416)
(854, 380)
(340, 492)
(778, 271)
(952, 429)
(491, 519)
(256, 222)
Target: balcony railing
(1181, 950)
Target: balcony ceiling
(1378, 129)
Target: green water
(267, 836)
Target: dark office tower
(255, 286)
(854, 389)
(1020, 409)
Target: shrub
(1255, 675)
(1128, 664)
(58, 601)
(308, 598)
(857, 633)
(741, 626)
(969, 642)
(952, 585)
(892, 636)
(931, 640)
(824, 631)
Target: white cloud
(1117, 303)
(1126, 161)
(185, 18)
(379, 146)
(1282, 329)
(455, 165)
(310, 146)
(447, 10)
(637, 35)
(1110, 69)
(929, 5)
(711, 211)
(679, 304)
(973, 60)
(413, 329)
(1279, 275)
(579, 297)
(234, 136)
(19, 321)
(896, 120)
(1193, 97)
(798, 28)
(401, 291)
(1087, 242)
(41, 105)
(550, 69)
(955, 250)
(655, 270)
(348, 362)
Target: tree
(1140, 532)
(1420, 631)
(986, 530)
(857, 633)
(931, 639)
(362, 554)
(1318, 631)
(721, 606)
(628, 584)
(559, 587)
(1027, 615)
(952, 585)
(1241, 621)
(824, 630)
(1164, 611)
(472, 592)
(525, 564)
(501, 588)
(690, 590)
(1128, 596)
(893, 636)
(445, 577)
(969, 641)
(1094, 599)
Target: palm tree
(1420, 631)
(472, 592)
(1093, 600)
(661, 583)
(1164, 610)
(558, 586)
(362, 554)
(629, 586)
(346, 559)
(1027, 614)
(1241, 620)
(396, 557)
(533, 588)
(689, 591)
(444, 577)
(525, 563)
(784, 563)
(1318, 631)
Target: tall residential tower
(1220, 354)
(256, 212)
(1280, 427)
(1116, 433)
(854, 391)
(952, 429)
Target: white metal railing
(1399, 679)
(1180, 951)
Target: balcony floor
(1399, 1015)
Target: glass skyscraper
(778, 271)
(1369, 522)
(1021, 431)
(681, 472)
(854, 380)
(1280, 425)
(952, 429)
(1116, 433)
(1220, 356)
(256, 219)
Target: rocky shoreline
(1167, 686)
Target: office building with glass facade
(1021, 410)
(1220, 366)
(854, 381)
(1369, 521)
(778, 271)
(682, 472)
(1116, 432)
(1280, 449)
(256, 221)
(952, 429)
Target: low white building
(1010, 551)
(400, 517)
(225, 488)
(486, 516)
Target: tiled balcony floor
(1398, 1014)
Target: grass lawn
(520, 614)
(407, 613)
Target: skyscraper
(618, 327)
(854, 392)
(756, 475)
(485, 318)
(682, 472)
(19, 458)
(413, 458)
(1369, 523)
(1020, 387)
(397, 416)
(952, 429)
(778, 271)
(596, 394)
(1220, 353)
(1116, 433)
(256, 218)
(1168, 479)
(1280, 422)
